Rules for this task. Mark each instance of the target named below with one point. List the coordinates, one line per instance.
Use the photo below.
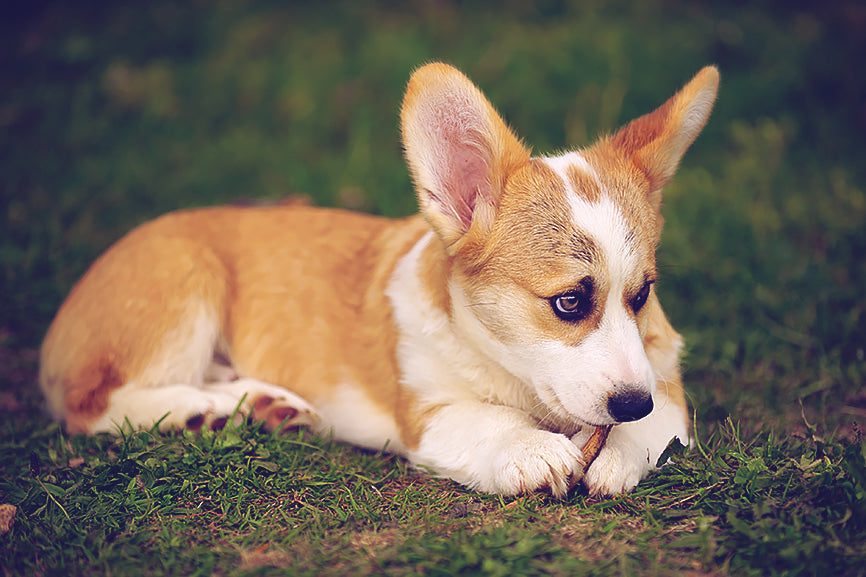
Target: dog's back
(267, 288)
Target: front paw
(538, 460)
(617, 469)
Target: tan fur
(532, 226)
(662, 344)
(273, 327)
(436, 267)
(584, 184)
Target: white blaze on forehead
(560, 165)
(604, 223)
(602, 219)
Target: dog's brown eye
(570, 306)
(574, 305)
(641, 297)
(567, 303)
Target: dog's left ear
(459, 151)
(657, 141)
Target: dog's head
(553, 258)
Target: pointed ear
(656, 141)
(459, 151)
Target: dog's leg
(211, 405)
(497, 449)
(632, 449)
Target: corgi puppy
(483, 339)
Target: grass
(244, 501)
(113, 113)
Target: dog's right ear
(460, 152)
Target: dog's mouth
(557, 409)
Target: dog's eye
(640, 298)
(574, 305)
(569, 307)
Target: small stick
(595, 443)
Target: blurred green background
(114, 112)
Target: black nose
(630, 405)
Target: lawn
(112, 113)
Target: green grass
(111, 114)
(244, 500)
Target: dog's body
(484, 340)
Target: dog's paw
(211, 410)
(208, 419)
(539, 460)
(617, 469)
(275, 407)
(281, 414)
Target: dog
(483, 339)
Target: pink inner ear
(466, 179)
